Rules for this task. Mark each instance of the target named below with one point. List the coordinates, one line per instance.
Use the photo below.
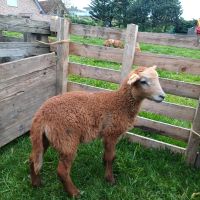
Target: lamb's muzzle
(66, 120)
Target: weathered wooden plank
(19, 98)
(72, 86)
(97, 31)
(10, 39)
(180, 88)
(129, 50)
(194, 139)
(62, 55)
(171, 63)
(9, 49)
(170, 86)
(91, 31)
(98, 52)
(114, 33)
(151, 143)
(21, 117)
(169, 109)
(163, 128)
(94, 72)
(19, 24)
(25, 66)
(22, 94)
(176, 40)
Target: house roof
(39, 7)
(49, 6)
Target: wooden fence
(126, 57)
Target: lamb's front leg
(109, 155)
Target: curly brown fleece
(66, 120)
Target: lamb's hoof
(36, 182)
(110, 179)
(75, 193)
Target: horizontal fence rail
(175, 40)
(19, 24)
(151, 143)
(171, 63)
(174, 87)
(166, 62)
(24, 85)
(146, 37)
(24, 49)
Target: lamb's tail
(37, 136)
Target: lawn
(142, 174)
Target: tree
(182, 25)
(138, 13)
(121, 11)
(164, 13)
(102, 10)
(151, 14)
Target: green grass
(13, 34)
(142, 174)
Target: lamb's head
(144, 83)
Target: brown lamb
(66, 120)
(114, 43)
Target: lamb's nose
(162, 96)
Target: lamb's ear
(133, 78)
(154, 67)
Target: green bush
(82, 20)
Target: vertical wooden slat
(63, 55)
(129, 49)
(194, 139)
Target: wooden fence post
(129, 49)
(194, 139)
(62, 55)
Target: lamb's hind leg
(109, 155)
(37, 157)
(64, 168)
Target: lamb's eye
(143, 82)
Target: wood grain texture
(10, 39)
(170, 86)
(180, 88)
(129, 50)
(94, 72)
(98, 52)
(19, 24)
(114, 33)
(176, 40)
(72, 86)
(24, 86)
(169, 109)
(97, 31)
(92, 31)
(25, 66)
(151, 143)
(163, 128)
(25, 49)
(194, 140)
(171, 63)
(62, 55)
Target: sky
(191, 8)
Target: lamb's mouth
(157, 99)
